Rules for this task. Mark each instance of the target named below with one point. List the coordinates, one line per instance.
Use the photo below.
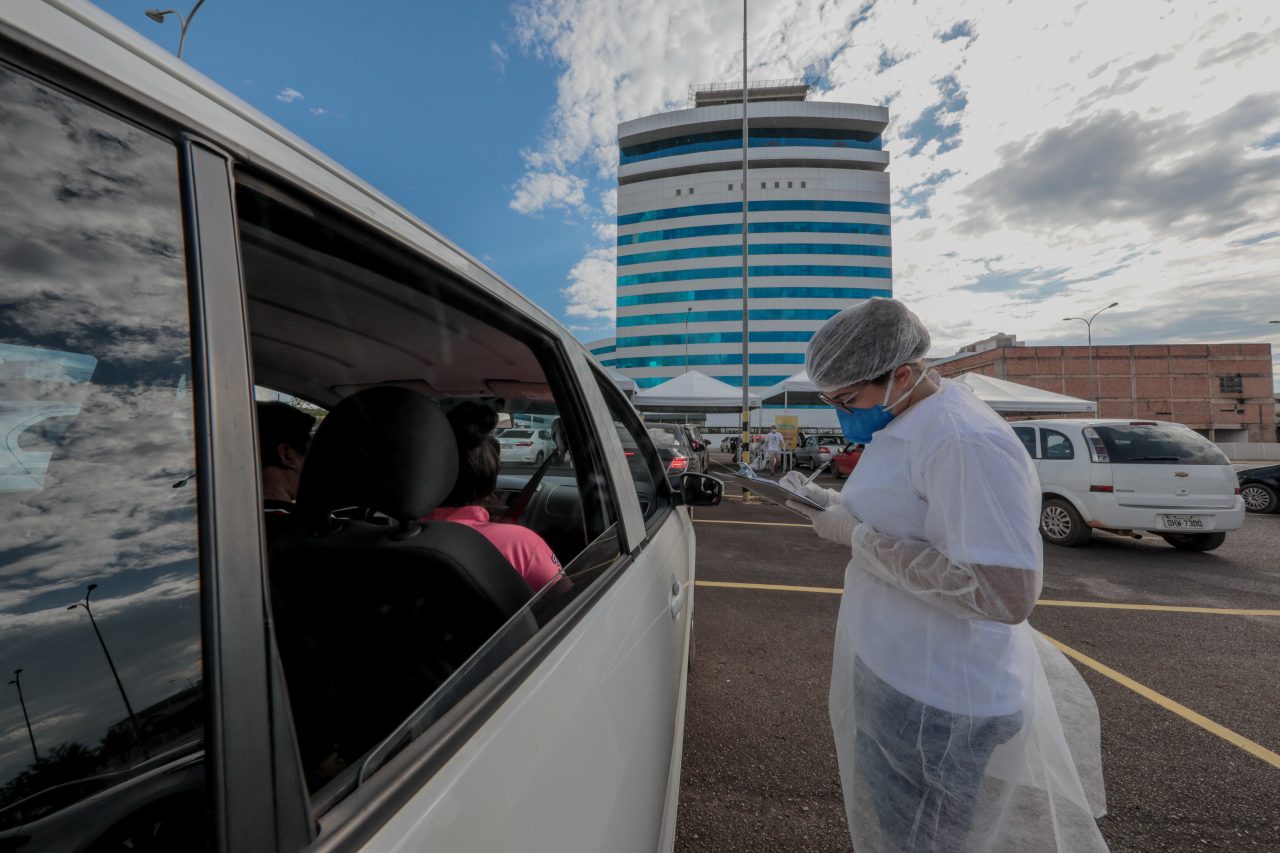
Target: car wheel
(1259, 498)
(1195, 541)
(1060, 524)
(537, 460)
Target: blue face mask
(860, 425)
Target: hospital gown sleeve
(983, 558)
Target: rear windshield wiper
(1155, 458)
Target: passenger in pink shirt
(478, 462)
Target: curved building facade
(818, 231)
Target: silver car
(814, 450)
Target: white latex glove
(835, 523)
(793, 481)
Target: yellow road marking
(753, 523)
(1255, 749)
(1167, 608)
(770, 586)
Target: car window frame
(1048, 432)
(1034, 449)
(243, 736)
(356, 814)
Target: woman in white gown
(946, 731)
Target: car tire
(1060, 524)
(1259, 498)
(1195, 541)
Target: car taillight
(1097, 450)
(679, 463)
(628, 453)
(1237, 490)
(826, 450)
(1102, 488)
(524, 444)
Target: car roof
(1085, 422)
(95, 44)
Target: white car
(364, 669)
(526, 444)
(1132, 477)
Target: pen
(816, 472)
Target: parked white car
(526, 444)
(1132, 477)
(391, 682)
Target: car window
(1159, 444)
(644, 460)
(1027, 435)
(100, 634)
(1055, 445)
(501, 551)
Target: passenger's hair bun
(472, 423)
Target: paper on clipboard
(770, 490)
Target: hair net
(863, 342)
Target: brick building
(1223, 391)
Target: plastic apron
(917, 778)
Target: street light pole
(158, 15)
(1093, 376)
(17, 680)
(94, 622)
(746, 320)
(687, 312)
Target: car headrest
(387, 449)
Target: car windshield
(662, 436)
(1159, 445)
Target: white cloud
(538, 191)
(498, 57)
(320, 111)
(289, 95)
(1169, 84)
(590, 294)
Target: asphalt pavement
(1185, 761)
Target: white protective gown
(945, 724)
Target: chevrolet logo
(1181, 474)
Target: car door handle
(678, 594)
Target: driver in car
(479, 459)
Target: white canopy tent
(625, 383)
(693, 391)
(1005, 396)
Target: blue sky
(1046, 159)
(416, 101)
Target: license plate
(1183, 522)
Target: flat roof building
(818, 207)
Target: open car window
(368, 670)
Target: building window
(763, 185)
(730, 187)
(690, 190)
(777, 184)
(802, 185)
(677, 192)
(1231, 384)
(788, 185)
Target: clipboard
(770, 490)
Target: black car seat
(371, 618)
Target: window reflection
(99, 614)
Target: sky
(1047, 159)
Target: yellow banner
(789, 426)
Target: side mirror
(700, 490)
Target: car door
(1063, 463)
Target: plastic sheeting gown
(927, 682)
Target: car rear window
(517, 433)
(1156, 445)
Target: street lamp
(1093, 377)
(94, 622)
(158, 15)
(17, 680)
(687, 311)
